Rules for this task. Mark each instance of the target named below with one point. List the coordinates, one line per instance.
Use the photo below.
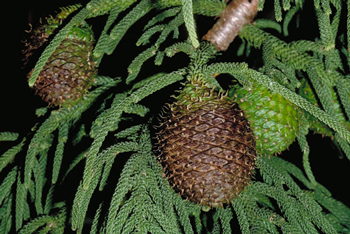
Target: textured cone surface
(274, 120)
(70, 71)
(206, 146)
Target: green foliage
(7, 157)
(189, 22)
(300, 211)
(8, 136)
(86, 145)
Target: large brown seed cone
(68, 74)
(70, 70)
(206, 147)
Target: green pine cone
(69, 72)
(274, 120)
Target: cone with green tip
(274, 120)
(69, 72)
(206, 146)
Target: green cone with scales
(206, 146)
(70, 71)
(274, 120)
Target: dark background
(18, 102)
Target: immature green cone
(274, 120)
(206, 146)
(70, 71)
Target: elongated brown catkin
(236, 14)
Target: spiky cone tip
(206, 146)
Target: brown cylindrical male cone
(232, 19)
(206, 147)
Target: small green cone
(274, 120)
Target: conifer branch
(239, 208)
(184, 47)
(94, 226)
(305, 205)
(62, 139)
(6, 215)
(225, 216)
(303, 131)
(135, 66)
(337, 209)
(258, 219)
(49, 199)
(132, 17)
(265, 23)
(286, 4)
(39, 170)
(110, 154)
(7, 184)
(189, 22)
(101, 7)
(21, 204)
(343, 88)
(345, 146)
(287, 53)
(144, 39)
(278, 10)
(81, 203)
(36, 224)
(137, 109)
(80, 135)
(203, 7)
(171, 27)
(159, 58)
(104, 40)
(129, 132)
(8, 157)
(8, 136)
(288, 18)
(162, 16)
